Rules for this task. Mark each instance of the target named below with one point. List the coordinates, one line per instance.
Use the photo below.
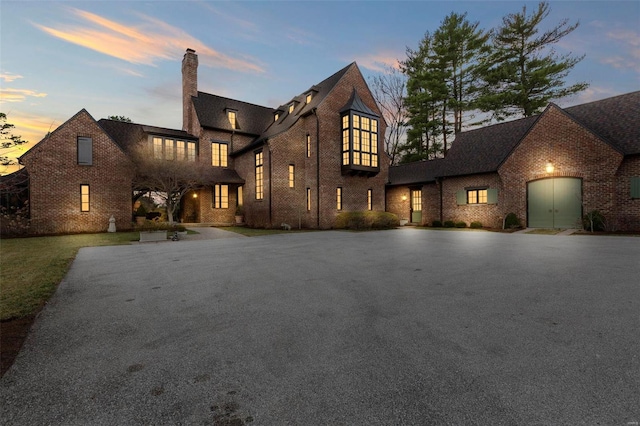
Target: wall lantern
(404, 198)
(549, 167)
(195, 195)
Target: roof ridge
(235, 100)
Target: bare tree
(389, 90)
(168, 179)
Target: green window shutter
(635, 187)
(461, 197)
(492, 196)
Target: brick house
(301, 163)
(549, 170)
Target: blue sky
(124, 57)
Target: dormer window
(276, 116)
(291, 107)
(233, 118)
(308, 98)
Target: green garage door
(554, 203)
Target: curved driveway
(407, 326)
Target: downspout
(439, 180)
(270, 185)
(315, 112)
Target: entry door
(554, 203)
(416, 206)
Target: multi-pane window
(338, 198)
(477, 196)
(359, 140)
(308, 98)
(291, 107)
(85, 151)
(220, 196)
(308, 145)
(84, 198)
(170, 149)
(219, 153)
(259, 175)
(292, 175)
(308, 199)
(233, 119)
(369, 199)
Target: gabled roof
(212, 113)
(483, 150)
(616, 120)
(417, 172)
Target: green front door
(554, 203)
(416, 206)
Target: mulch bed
(12, 335)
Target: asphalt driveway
(407, 326)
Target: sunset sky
(123, 57)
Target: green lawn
(32, 268)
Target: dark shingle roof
(355, 104)
(616, 120)
(212, 112)
(416, 172)
(483, 150)
(286, 119)
(126, 134)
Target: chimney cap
(189, 50)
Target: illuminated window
(259, 172)
(168, 149)
(359, 140)
(369, 199)
(85, 151)
(276, 116)
(232, 119)
(308, 199)
(308, 98)
(477, 196)
(84, 198)
(157, 148)
(291, 107)
(221, 196)
(338, 198)
(219, 154)
(180, 150)
(308, 145)
(292, 175)
(191, 151)
(240, 197)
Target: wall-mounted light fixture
(195, 195)
(549, 167)
(404, 198)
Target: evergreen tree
(441, 86)
(524, 73)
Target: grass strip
(32, 268)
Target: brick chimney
(189, 89)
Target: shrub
(476, 225)
(436, 224)
(594, 221)
(511, 221)
(461, 224)
(366, 220)
(14, 221)
(142, 211)
(449, 224)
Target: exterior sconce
(404, 198)
(549, 167)
(195, 195)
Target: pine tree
(524, 73)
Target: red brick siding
(627, 215)
(488, 214)
(55, 179)
(574, 152)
